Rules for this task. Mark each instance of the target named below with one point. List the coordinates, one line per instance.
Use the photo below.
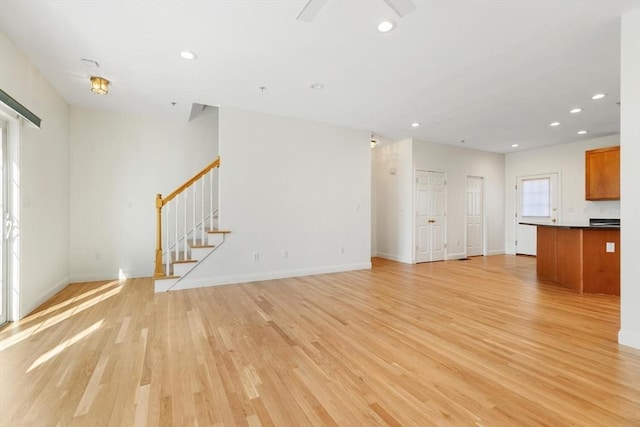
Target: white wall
(44, 181)
(289, 185)
(395, 199)
(459, 162)
(393, 182)
(630, 184)
(118, 165)
(568, 160)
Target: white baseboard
(28, 306)
(91, 278)
(629, 338)
(393, 257)
(456, 256)
(255, 277)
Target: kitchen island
(583, 258)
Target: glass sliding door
(6, 223)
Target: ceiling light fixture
(386, 26)
(514, 145)
(415, 125)
(599, 96)
(187, 54)
(317, 86)
(582, 132)
(99, 85)
(554, 124)
(575, 110)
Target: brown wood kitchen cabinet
(602, 168)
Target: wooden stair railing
(183, 217)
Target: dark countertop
(575, 226)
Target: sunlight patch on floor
(63, 345)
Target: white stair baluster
(177, 218)
(193, 228)
(167, 240)
(202, 181)
(211, 201)
(184, 238)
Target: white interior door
(537, 201)
(430, 216)
(474, 216)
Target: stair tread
(202, 246)
(166, 277)
(216, 231)
(183, 261)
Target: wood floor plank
(477, 342)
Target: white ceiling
(492, 73)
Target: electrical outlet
(256, 256)
(285, 254)
(341, 250)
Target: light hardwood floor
(461, 343)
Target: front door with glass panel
(537, 202)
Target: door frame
(12, 254)
(413, 211)
(484, 214)
(517, 200)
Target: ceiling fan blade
(310, 10)
(401, 7)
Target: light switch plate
(611, 247)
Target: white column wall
(393, 182)
(294, 192)
(43, 165)
(630, 183)
(459, 162)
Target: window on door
(536, 197)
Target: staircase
(182, 263)
(187, 220)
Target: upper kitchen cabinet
(602, 168)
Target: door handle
(8, 226)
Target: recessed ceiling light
(386, 26)
(187, 54)
(575, 110)
(599, 96)
(415, 125)
(582, 132)
(514, 145)
(317, 86)
(554, 124)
